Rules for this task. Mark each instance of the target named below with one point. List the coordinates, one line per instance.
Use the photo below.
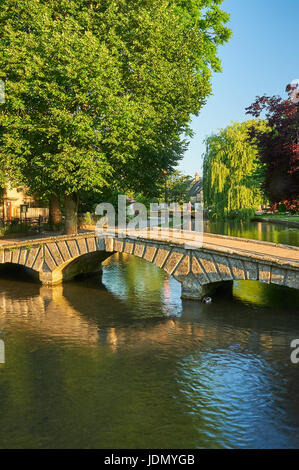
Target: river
(125, 363)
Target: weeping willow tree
(232, 171)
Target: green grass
(295, 217)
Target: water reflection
(254, 230)
(126, 364)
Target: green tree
(232, 172)
(176, 187)
(97, 90)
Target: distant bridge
(198, 269)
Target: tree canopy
(98, 91)
(279, 148)
(232, 171)
(176, 187)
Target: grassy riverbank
(286, 217)
(282, 219)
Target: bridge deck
(229, 244)
(253, 246)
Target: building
(17, 204)
(196, 192)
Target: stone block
(83, 249)
(208, 264)
(62, 246)
(223, 267)
(32, 255)
(139, 250)
(172, 262)
(161, 256)
(183, 268)
(109, 243)
(38, 262)
(277, 276)
(55, 253)
(118, 245)
(73, 248)
(264, 273)
(23, 255)
(292, 279)
(237, 268)
(150, 252)
(15, 256)
(198, 271)
(129, 247)
(251, 270)
(91, 244)
(7, 255)
(49, 260)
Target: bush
(87, 219)
(281, 208)
(15, 228)
(240, 214)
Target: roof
(195, 187)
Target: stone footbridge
(199, 269)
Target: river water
(125, 363)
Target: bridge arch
(11, 270)
(99, 250)
(198, 271)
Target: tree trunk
(71, 214)
(55, 216)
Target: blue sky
(262, 57)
